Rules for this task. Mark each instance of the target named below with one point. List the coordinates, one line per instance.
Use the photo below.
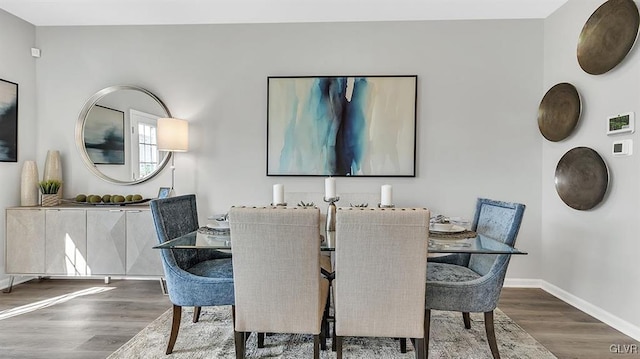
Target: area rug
(212, 337)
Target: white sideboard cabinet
(81, 241)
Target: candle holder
(279, 204)
(331, 213)
(380, 205)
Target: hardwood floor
(94, 325)
(566, 331)
(88, 326)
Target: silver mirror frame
(93, 100)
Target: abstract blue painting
(341, 126)
(8, 121)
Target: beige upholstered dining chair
(379, 288)
(277, 280)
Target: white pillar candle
(278, 194)
(385, 195)
(330, 187)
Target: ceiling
(155, 12)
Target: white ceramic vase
(53, 168)
(29, 191)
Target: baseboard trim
(594, 311)
(579, 303)
(523, 283)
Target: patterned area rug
(212, 337)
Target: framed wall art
(8, 121)
(164, 192)
(104, 136)
(341, 126)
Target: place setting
(450, 231)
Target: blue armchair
(194, 277)
(474, 283)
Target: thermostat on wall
(621, 123)
(623, 148)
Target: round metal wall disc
(581, 178)
(559, 112)
(608, 36)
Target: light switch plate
(622, 148)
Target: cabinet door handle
(115, 210)
(135, 211)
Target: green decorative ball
(81, 198)
(106, 198)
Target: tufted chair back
(380, 278)
(276, 260)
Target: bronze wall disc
(581, 178)
(608, 36)
(559, 112)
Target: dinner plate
(219, 224)
(454, 229)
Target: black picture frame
(356, 126)
(8, 121)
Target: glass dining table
(478, 244)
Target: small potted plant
(49, 190)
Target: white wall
(593, 255)
(16, 65)
(478, 81)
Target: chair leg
(260, 340)
(467, 320)
(325, 324)
(239, 340)
(175, 327)
(427, 327)
(403, 345)
(338, 341)
(238, 337)
(316, 346)
(196, 314)
(491, 334)
(418, 346)
(334, 337)
(323, 340)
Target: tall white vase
(29, 184)
(53, 168)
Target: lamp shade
(173, 135)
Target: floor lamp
(173, 136)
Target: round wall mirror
(116, 134)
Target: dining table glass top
(479, 244)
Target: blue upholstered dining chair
(195, 278)
(474, 285)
